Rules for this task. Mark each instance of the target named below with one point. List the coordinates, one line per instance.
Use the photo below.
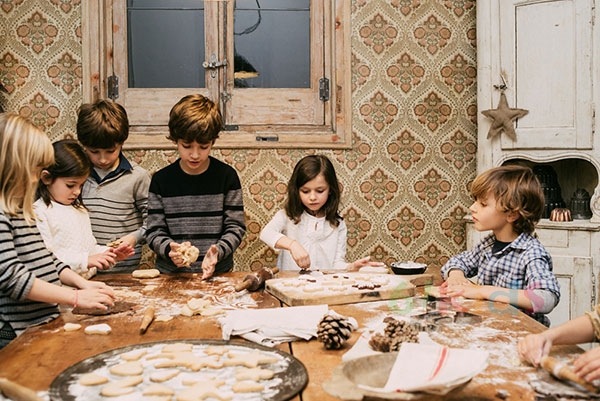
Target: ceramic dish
(407, 268)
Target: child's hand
(128, 240)
(470, 290)
(533, 347)
(176, 256)
(360, 263)
(183, 255)
(98, 298)
(588, 365)
(99, 285)
(300, 255)
(457, 277)
(209, 262)
(123, 251)
(102, 261)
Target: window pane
(166, 43)
(272, 43)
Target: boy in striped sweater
(116, 192)
(196, 199)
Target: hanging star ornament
(503, 118)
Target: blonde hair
(25, 151)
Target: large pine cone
(335, 329)
(395, 333)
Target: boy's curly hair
(517, 189)
(195, 118)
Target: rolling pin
(256, 280)
(16, 392)
(147, 319)
(563, 372)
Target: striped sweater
(23, 257)
(204, 209)
(117, 205)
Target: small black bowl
(408, 268)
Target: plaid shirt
(524, 264)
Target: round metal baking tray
(293, 376)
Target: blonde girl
(309, 231)
(30, 275)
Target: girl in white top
(309, 231)
(62, 219)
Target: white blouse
(325, 244)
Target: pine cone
(380, 343)
(335, 329)
(394, 334)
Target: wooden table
(35, 358)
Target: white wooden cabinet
(546, 53)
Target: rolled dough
(145, 273)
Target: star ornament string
(503, 118)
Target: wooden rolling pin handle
(562, 371)
(246, 284)
(147, 319)
(14, 391)
(274, 271)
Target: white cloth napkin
(433, 368)
(273, 326)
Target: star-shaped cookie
(503, 118)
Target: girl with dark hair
(309, 231)
(62, 219)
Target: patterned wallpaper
(414, 122)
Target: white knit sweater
(67, 232)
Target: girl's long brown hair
(307, 169)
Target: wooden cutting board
(344, 288)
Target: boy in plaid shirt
(510, 264)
